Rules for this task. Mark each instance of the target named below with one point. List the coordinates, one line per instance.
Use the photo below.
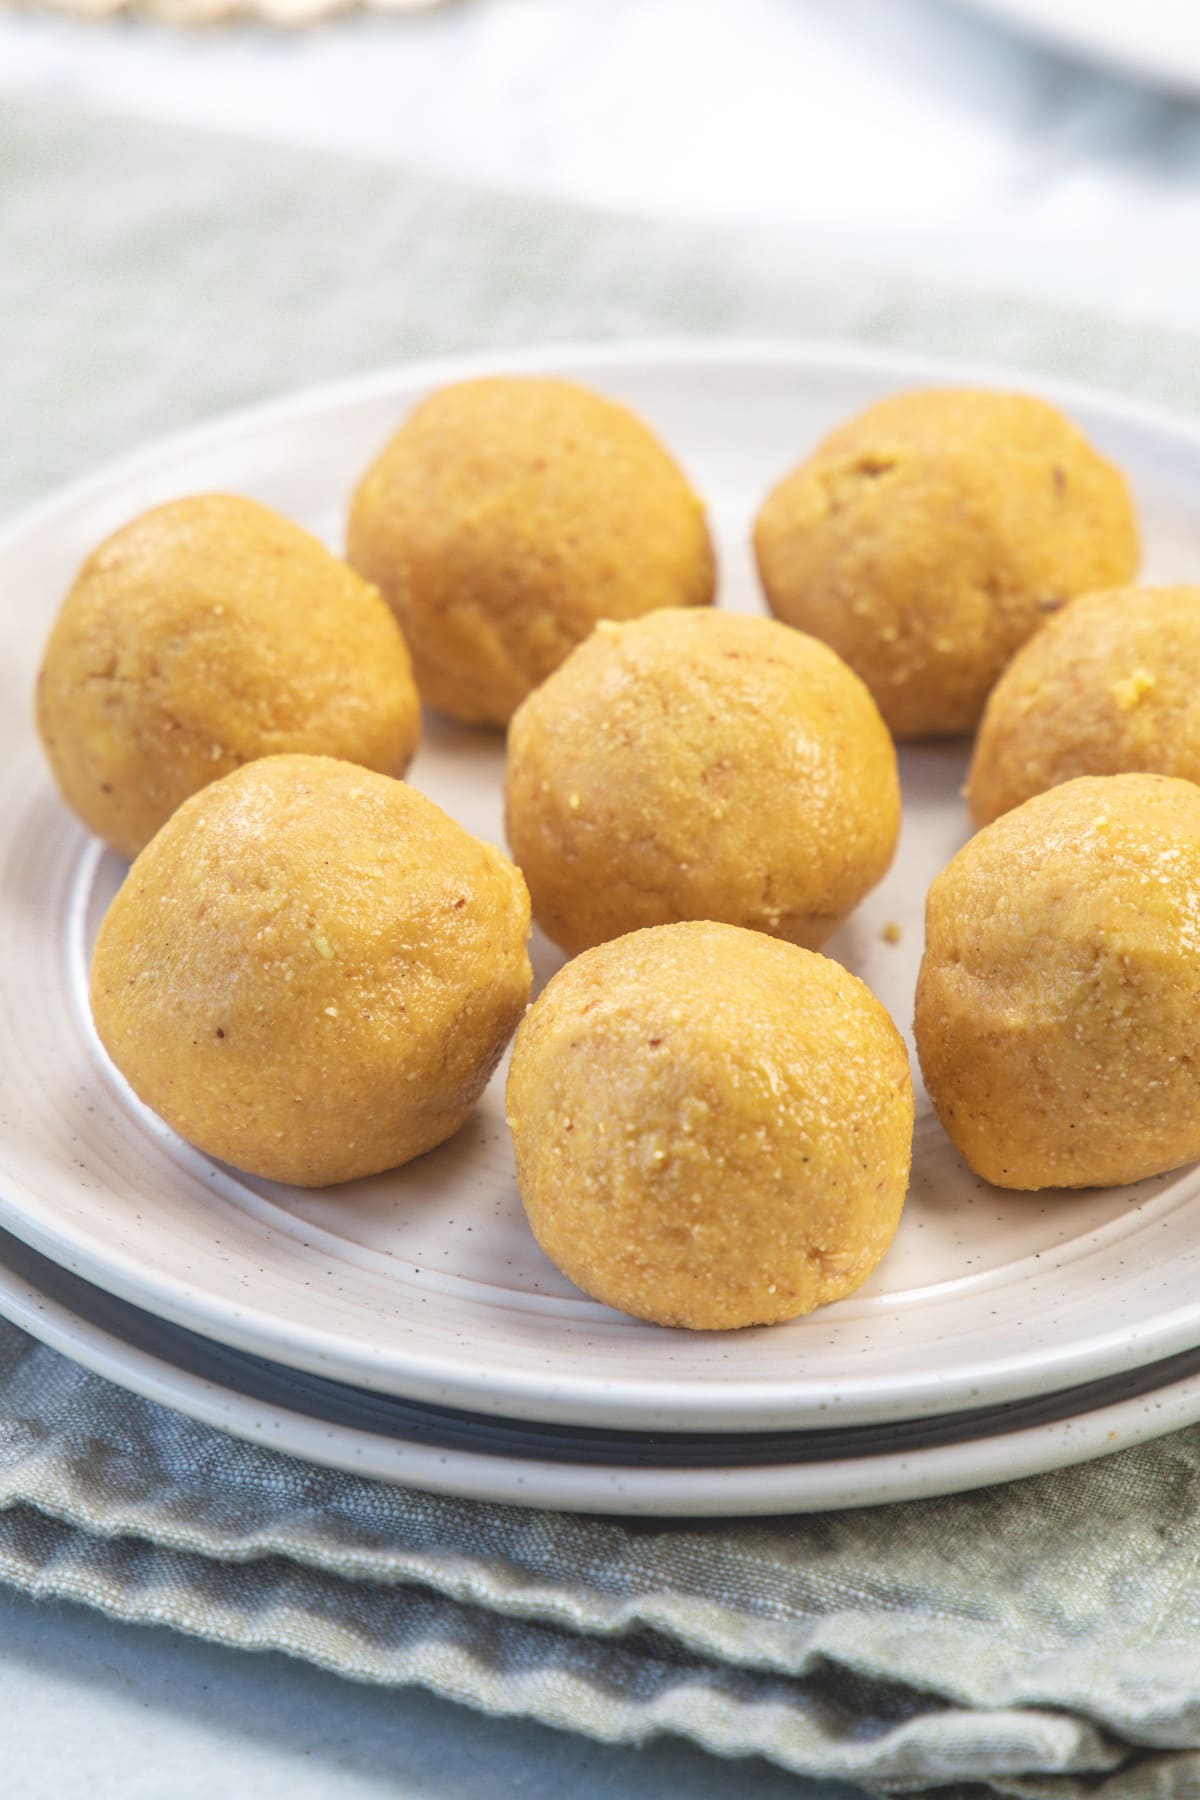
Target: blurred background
(1049, 146)
(423, 176)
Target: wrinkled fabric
(1046, 1629)
(1036, 1639)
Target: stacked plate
(407, 1327)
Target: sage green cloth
(1035, 1639)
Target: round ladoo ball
(930, 536)
(200, 636)
(1060, 987)
(505, 517)
(1110, 687)
(311, 972)
(712, 1128)
(700, 766)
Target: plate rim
(626, 1490)
(543, 358)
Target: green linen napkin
(1034, 1639)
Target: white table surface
(926, 137)
(94, 1710)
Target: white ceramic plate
(1156, 40)
(565, 1468)
(426, 1283)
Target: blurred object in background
(1152, 40)
(217, 12)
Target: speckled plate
(584, 1468)
(425, 1284)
